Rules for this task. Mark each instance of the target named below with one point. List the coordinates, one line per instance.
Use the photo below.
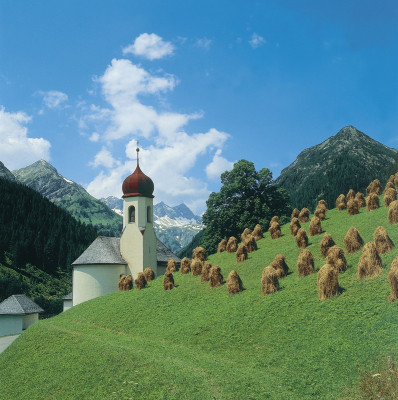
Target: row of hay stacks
(126, 281)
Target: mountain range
(174, 226)
(348, 160)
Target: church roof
(106, 250)
(19, 304)
(138, 184)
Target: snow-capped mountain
(174, 226)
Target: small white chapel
(97, 271)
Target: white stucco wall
(90, 281)
(29, 319)
(10, 324)
(67, 304)
(139, 250)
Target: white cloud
(150, 46)
(204, 43)
(54, 99)
(94, 137)
(17, 149)
(218, 165)
(170, 154)
(104, 158)
(256, 41)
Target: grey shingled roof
(163, 253)
(19, 304)
(106, 250)
(69, 296)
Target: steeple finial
(138, 150)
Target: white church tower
(138, 240)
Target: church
(97, 271)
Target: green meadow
(194, 342)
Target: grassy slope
(199, 343)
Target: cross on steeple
(137, 150)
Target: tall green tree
(247, 197)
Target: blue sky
(199, 84)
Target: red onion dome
(138, 184)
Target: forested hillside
(348, 160)
(38, 243)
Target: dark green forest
(38, 243)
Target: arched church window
(148, 214)
(131, 214)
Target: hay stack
(322, 203)
(372, 202)
(149, 274)
(241, 253)
(125, 283)
(382, 241)
(393, 212)
(171, 266)
(280, 266)
(393, 279)
(374, 187)
(352, 207)
(390, 195)
(326, 243)
(390, 184)
(336, 258)
(196, 267)
(304, 215)
(315, 226)
(294, 226)
(305, 263)
(353, 240)
(370, 262)
(258, 232)
(185, 266)
(269, 281)
(301, 239)
(275, 230)
(199, 253)
(168, 281)
(215, 279)
(295, 213)
(234, 283)
(120, 284)
(391, 179)
(341, 202)
(396, 180)
(222, 246)
(274, 219)
(350, 195)
(140, 281)
(245, 233)
(205, 272)
(232, 244)
(327, 282)
(359, 197)
(320, 212)
(250, 243)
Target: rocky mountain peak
(6, 173)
